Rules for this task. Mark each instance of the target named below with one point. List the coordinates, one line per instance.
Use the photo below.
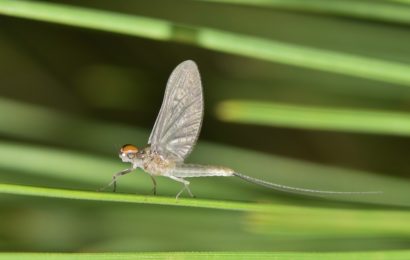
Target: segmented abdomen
(196, 170)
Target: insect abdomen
(196, 170)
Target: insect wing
(179, 120)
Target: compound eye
(131, 155)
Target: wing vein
(179, 121)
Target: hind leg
(186, 185)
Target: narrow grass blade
(88, 18)
(292, 54)
(55, 126)
(309, 117)
(224, 41)
(380, 255)
(262, 218)
(128, 198)
(327, 223)
(381, 10)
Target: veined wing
(179, 121)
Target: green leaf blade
(318, 118)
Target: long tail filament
(285, 188)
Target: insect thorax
(156, 164)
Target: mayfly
(175, 133)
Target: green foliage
(213, 255)
(380, 10)
(354, 120)
(263, 63)
(249, 46)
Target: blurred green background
(311, 94)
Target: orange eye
(128, 148)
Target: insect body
(175, 133)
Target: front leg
(115, 177)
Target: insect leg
(154, 182)
(115, 177)
(186, 185)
